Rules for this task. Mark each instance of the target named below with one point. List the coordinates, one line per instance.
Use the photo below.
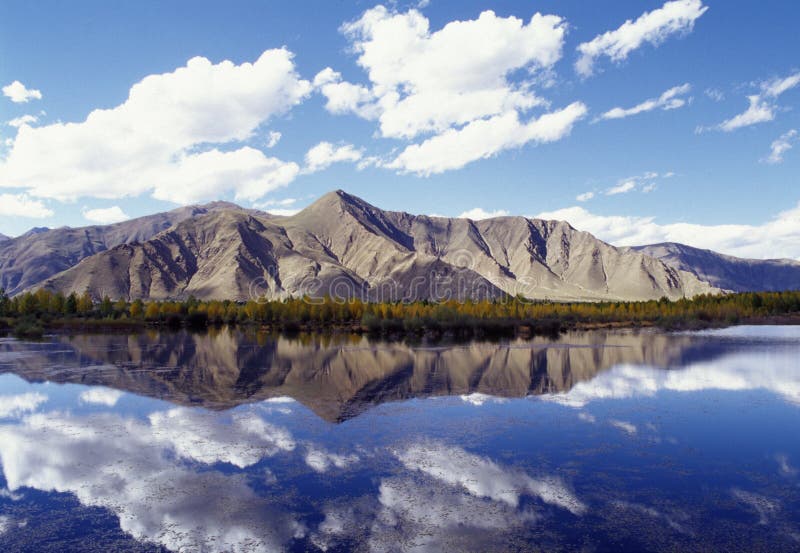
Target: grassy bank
(30, 314)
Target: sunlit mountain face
(236, 441)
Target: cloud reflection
(134, 469)
(734, 372)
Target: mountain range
(343, 246)
(728, 272)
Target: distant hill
(3, 237)
(40, 253)
(728, 272)
(344, 246)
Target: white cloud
(325, 154)
(478, 213)
(668, 100)
(418, 85)
(278, 207)
(106, 216)
(652, 27)
(469, 102)
(780, 146)
(482, 477)
(625, 426)
(731, 372)
(26, 119)
(17, 405)
(765, 507)
(759, 111)
(622, 188)
(343, 97)
(484, 138)
(281, 212)
(273, 138)
(22, 205)
(714, 94)
(784, 465)
(762, 106)
(138, 472)
(171, 137)
(321, 460)
(200, 437)
(246, 172)
(19, 93)
(584, 197)
(477, 399)
(100, 396)
(776, 238)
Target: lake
(234, 441)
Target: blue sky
(435, 108)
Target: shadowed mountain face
(728, 272)
(345, 247)
(3, 237)
(336, 378)
(28, 260)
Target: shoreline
(491, 328)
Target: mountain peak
(336, 201)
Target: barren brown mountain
(343, 246)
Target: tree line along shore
(31, 313)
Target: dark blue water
(596, 441)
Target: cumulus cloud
(20, 94)
(776, 238)
(732, 372)
(780, 146)
(26, 119)
(321, 460)
(22, 205)
(585, 196)
(484, 138)
(138, 472)
(478, 213)
(417, 87)
(201, 437)
(246, 172)
(16, 405)
(669, 99)
(482, 477)
(762, 106)
(106, 215)
(174, 136)
(325, 154)
(654, 27)
(100, 396)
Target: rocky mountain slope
(40, 253)
(728, 272)
(3, 237)
(345, 247)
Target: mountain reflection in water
(339, 376)
(231, 441)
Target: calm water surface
(596, 441)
